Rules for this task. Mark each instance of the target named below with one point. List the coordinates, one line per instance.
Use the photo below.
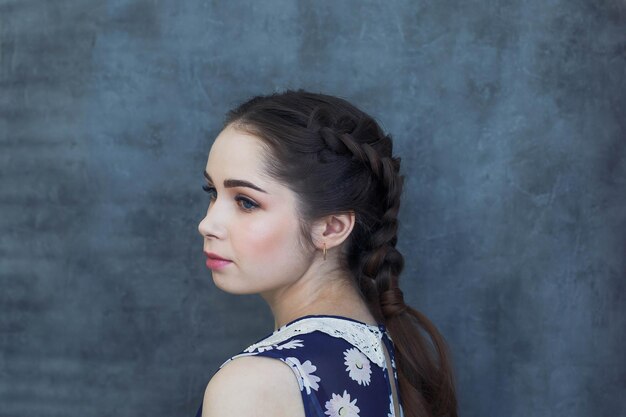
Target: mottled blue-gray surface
(509, 116)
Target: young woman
(304, 198)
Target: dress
(338, 362)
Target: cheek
(266, 240)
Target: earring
(324, 250)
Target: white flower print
(340, 406)
(358, 366)
(305, 371)
(292, 344)
(392, 413)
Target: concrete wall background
(510, 117)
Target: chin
(232, 286)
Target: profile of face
(251, 220)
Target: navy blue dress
(338, 362)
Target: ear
(333, 229)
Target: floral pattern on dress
(337, 376)
(358, 366)
(341, 406)
(292, 344)
(392, 412)
(307, 379)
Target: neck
(318, 295)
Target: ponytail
(424, 369)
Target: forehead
(237, 149)
(236, 154)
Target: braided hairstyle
(337, 159)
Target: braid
(380, 262)
(426, 389)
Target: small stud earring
(324, 250)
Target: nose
(202, 228)
(208, 226)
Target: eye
(245, 201)
(208, 189)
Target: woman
(304, 197)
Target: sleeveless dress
(338, 362)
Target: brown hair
(336, 158)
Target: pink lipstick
(215, 262)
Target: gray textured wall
(510, 117)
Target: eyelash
(208, 189)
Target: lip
(215, 262)
(212, 255)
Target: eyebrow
(230, 183)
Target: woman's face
(257, 230)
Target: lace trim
(367, 338)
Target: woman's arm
(253, 386)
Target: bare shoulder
(251, 386)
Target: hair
(337, 159)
